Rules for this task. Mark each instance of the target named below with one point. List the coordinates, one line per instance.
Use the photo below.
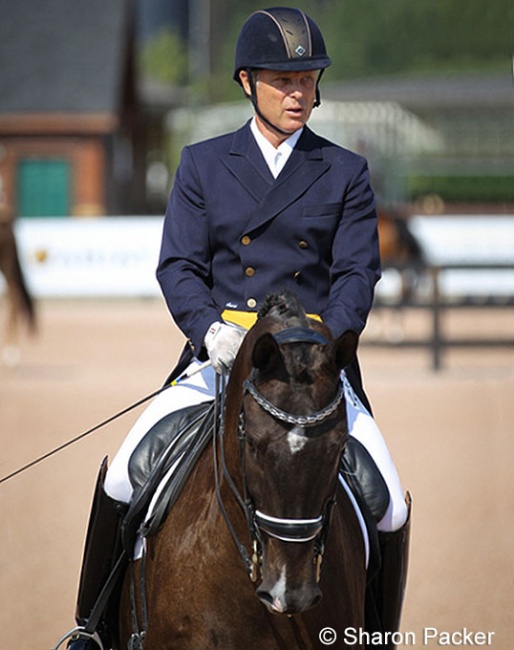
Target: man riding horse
(270, 206)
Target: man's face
(286, 99)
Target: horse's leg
(386, 324)
(10, 349)
(396, 330)
(409, 279)
(19, 301)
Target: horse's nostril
(316, 600)
(296, 602)
(274, 604)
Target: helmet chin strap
(256, 108)
(253, 97)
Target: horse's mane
(283, 304)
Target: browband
(299, 335)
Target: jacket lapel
(245, 161)
(303, 169)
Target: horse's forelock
(285, 305)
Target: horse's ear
(345, 347)
(266, 353)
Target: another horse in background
(20, 304)
(400, 249)
(263, 527)
(401, 253)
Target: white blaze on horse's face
(278, 592)
(296, 439)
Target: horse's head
(293, 428)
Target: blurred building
(471, 119)
(72, 138)
(442, 142)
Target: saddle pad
(149, 516)
(358, 513)
(161, 464)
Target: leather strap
(299, 335)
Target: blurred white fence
(117, 256)
(469, 264)
(108, 256)
(462, 240)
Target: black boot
(392, 577)
(102, 551)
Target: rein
(250, 563)
(49, 454)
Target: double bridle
(284, 529)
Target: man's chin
(291, 126)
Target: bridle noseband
(289, 530)
(284, 529)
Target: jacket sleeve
(355, 267)
(184, 270)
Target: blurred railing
(437, 304)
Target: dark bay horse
(277, 555)
(20, 305)
(401, 250)
(402, 253)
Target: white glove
(222, 342)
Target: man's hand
(222, 342)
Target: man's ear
(244, 77)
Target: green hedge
(463, 189)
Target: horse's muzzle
(293, 601)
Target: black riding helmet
(279, 38)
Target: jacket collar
(305, 165)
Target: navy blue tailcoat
(233, 234)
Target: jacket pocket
(322, 210)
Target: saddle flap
(369, 489)
(364, 477)
(179, 438)
(165, 436)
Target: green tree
(364, 39)
(382, 37)
(164, 58)
(378, 37)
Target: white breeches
(202, 386)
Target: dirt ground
(449, 432)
